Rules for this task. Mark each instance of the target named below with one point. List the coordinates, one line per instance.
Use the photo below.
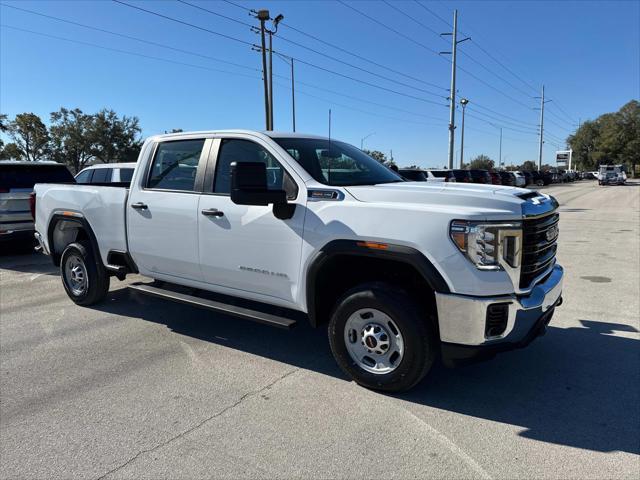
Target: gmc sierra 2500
(276, 227)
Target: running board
(241, 312)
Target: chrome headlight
(489, 246)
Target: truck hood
(474, 200)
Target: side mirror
(249, 185)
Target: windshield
(337, 163)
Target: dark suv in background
(507, 178)
(480, 176)
(462, 176)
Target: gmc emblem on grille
(552, 233)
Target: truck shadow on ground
(22, 258)
(578, 387)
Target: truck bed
(101, 206)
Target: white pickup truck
(280, 228)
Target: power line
(414, 20)
(375, 114)
(317, 52)
(434, 14)
(557, 105)
(201, 67)
(127, 52)
(506, 128)
(228, 37)
(378, 22)
(343, 50)
(384, 25)
(298, 60)
(478, 105)
(129, 37)
(501, 120)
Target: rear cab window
(24, 177)
(175, 165)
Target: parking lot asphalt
(139, 387)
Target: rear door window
(101, 175)
(126, 174)
(175, 165)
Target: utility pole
(293, 96)
(452, 93)
(542, 102)
(263, 16)
(463, 102)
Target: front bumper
(463, 320)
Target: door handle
(139, 206)
(212, 212)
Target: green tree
(612, 138)
(72, 137)
(483, 162)
(10, 151)
(529, 166)
(380, 157)
(30, 136)
(114, 139)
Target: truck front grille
(539, 245)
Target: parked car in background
(541, 178)
(508, 178)
(528, 177)
(107, 173)
(520, 181)
(479, 175)
(495, 178)
(446, 174)
(463, 176)
(612, 178)
(16, 184)
(419, 175)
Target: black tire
(97, 279)
(418, 334)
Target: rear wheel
(83, 276)
(381, 337)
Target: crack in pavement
(198, 425)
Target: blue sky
(586, 53)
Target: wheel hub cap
(374, 341)
(76, 275)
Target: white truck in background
(273, 227)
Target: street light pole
(271, 33)
(364, 138)
(293, 96)
(500, 150)
(463, 102)
(263, 16)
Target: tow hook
(559, 302)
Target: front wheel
(381, 338)
(84, 278)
